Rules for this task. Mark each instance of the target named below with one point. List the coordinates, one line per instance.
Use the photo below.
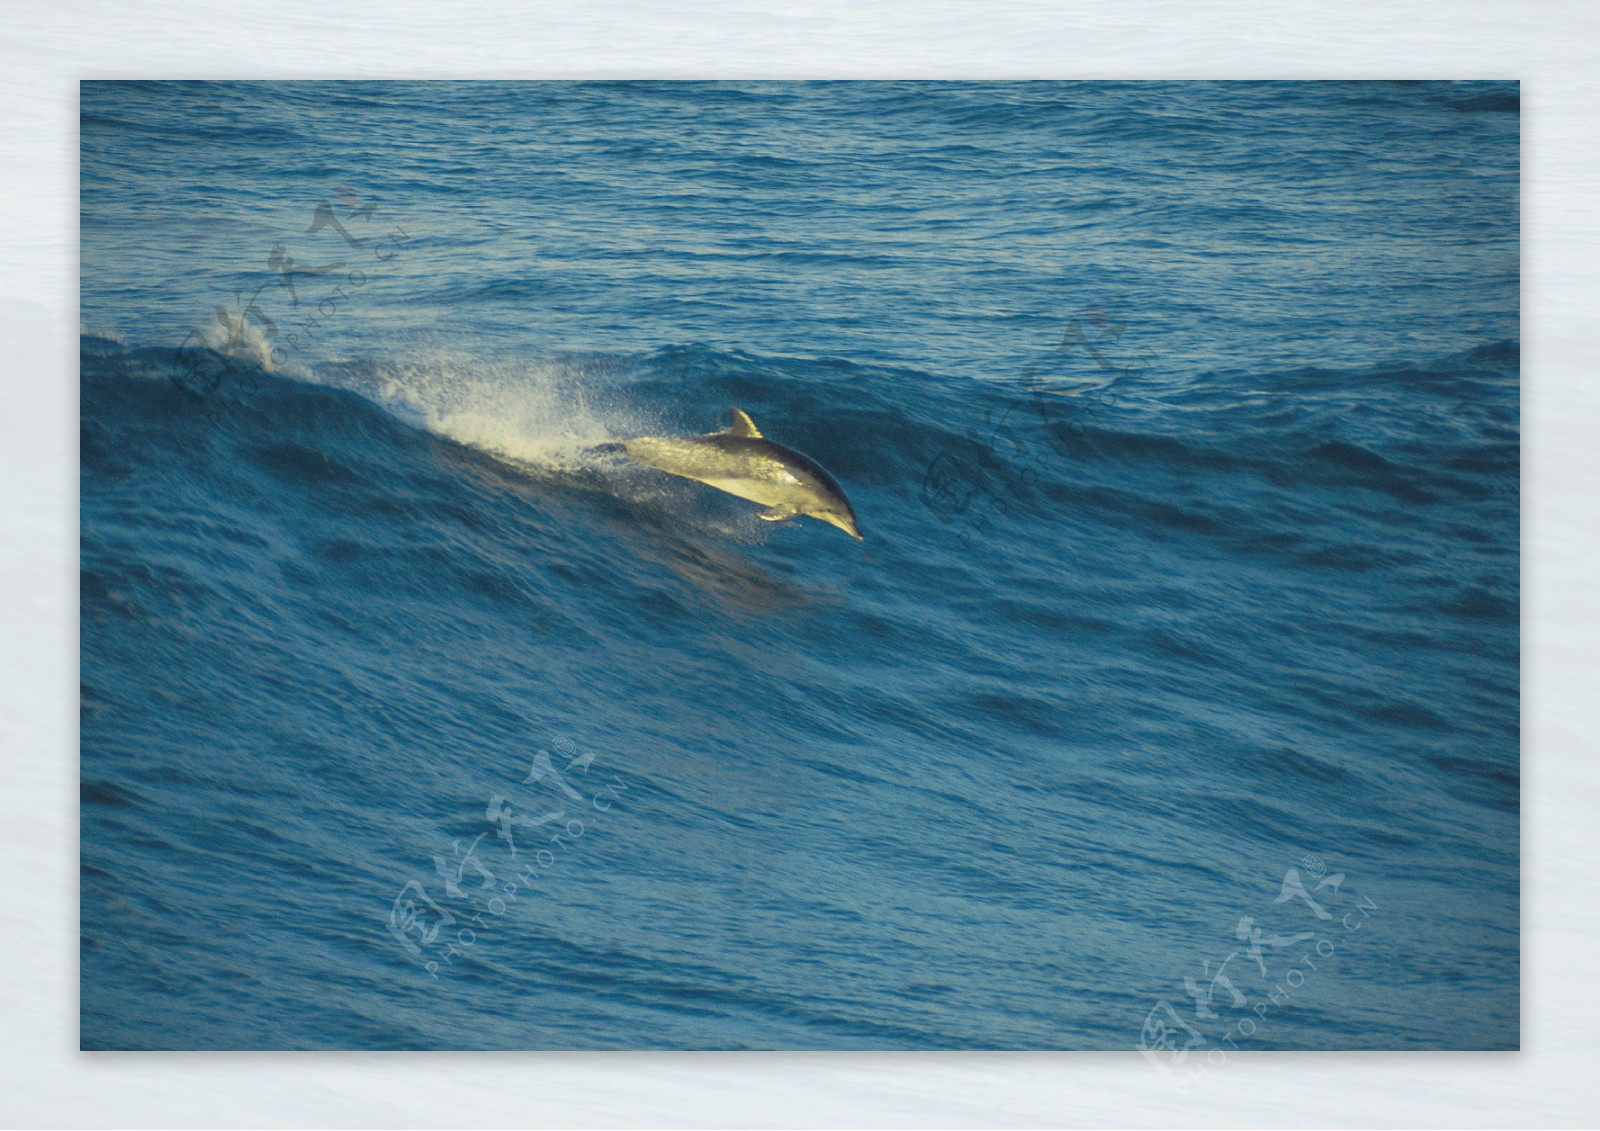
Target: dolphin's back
(756, 452)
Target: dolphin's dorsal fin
(743, 426)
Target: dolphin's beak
(847, 525)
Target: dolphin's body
(743, 462)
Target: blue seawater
(1182, 421)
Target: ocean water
(1171, 701)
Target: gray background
(46, 49)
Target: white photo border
(48, 49)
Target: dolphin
(743, 462)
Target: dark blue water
(1183, 423)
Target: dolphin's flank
(743, 462)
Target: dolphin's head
(838, 513)
(827, 502)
